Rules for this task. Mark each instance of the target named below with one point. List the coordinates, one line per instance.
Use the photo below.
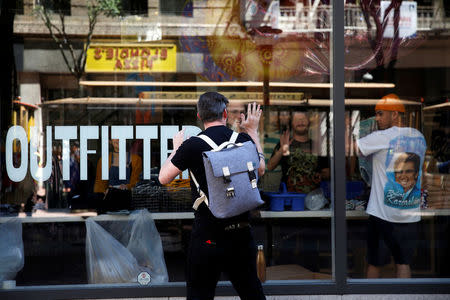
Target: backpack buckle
(226, 174)
(252, 175)
(230, 192)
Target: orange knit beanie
(390, 102)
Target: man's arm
(275, 159)
(250, 125)
(168, 170)
(262, 162)
(283, 150)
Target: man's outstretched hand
(250, 123)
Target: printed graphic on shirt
(404, 169)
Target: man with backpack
(217, 244)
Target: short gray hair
(210, 106)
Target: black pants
(213, 252)
(398, 238)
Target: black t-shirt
(306, 147)
(284, 162)
(189, 156)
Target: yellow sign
(131, 58)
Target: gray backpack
(231, 171)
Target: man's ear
(198, 116)
(225, 113)
(395, 115)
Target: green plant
(302, 173)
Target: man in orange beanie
(389, 111)
(393, 211)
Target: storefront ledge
(176, 289)
(95, 291)
(353, 297)
(300, 287)
(395, 297)
(410, 289)
(399, 286)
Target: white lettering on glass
(105, 153)
(167, 132)
(146, 133)
(16, 133)
(37, 172)
(64, 133)
(67, 133)
(189, 131)
(86, 133)
(122, 133)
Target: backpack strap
(202, 197)
(230, 143)
(208, 140)
(214, 146)
(226, 145)
(234, 137)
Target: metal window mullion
(339, 231)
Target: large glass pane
(96, 104)
(397, 138)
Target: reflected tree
(54, 18)
(371, 13)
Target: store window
(59, 6)
(395, 171)
(177, 8)
(130, 85)
(18, 7)
(133, 7)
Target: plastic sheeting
(117, 251)
(315, 200)
(11, 249)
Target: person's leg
(375, 254)
(203, 268)
(240, 266)
(373, 271)
(402, 240)
(403, 271)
